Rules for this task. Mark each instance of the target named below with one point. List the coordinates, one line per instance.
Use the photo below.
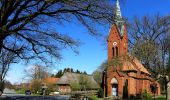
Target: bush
(20, 91)
(75, 86)
(100, 93)
(93, 98)
(146, 96)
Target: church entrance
(114, 83)
(115, 89)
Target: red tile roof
(133, 64)
(51, 80)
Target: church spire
(118, 15)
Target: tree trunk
(1, 87)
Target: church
(129, 71)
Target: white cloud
(54, 71)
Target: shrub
(146, 96)
(93, 98)
(75, 86)
(20, 91)
(100, 93)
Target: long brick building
(129, 69)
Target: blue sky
(92, 52)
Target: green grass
(21, 91)
(161, 98)
(94, 98)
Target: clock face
(114, 44)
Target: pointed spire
(118, 15)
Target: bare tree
(36, 86)
(149, 42)
(24, 30)
(26, 21)
(37, 72)
(6, 59)
(168, 64)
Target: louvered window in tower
(117, 52)
(113, 52)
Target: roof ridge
(131, 59)
(79, 73)
(136, 66)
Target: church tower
(117, 40)
(130, 74)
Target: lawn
(21, 91)
(161, 98)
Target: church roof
(128, 66)
(133, 64)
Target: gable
(133, 64)
(140, 66)
(114, 34)
(128, 66)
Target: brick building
(129, 70)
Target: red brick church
(130, 71)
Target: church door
(114, 83)
(115, 89)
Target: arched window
(117, 52)
(113, 51)
(114, 81)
